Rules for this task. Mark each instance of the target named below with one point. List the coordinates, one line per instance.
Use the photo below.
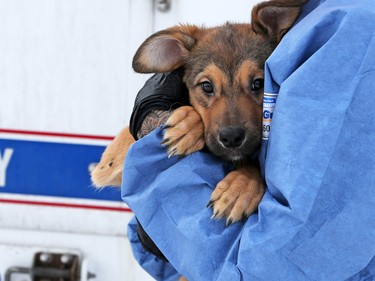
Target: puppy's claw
(167, 126)
(215, 214)
(228, 222)
(172, 153)
(244, 217)
(210, 203)
(165, 141)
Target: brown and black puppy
(224, 74)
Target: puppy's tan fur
(109, 171)
(231, 59)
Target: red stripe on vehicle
(53, 134)
(65, 205)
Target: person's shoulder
(349, 7)
(331, 16)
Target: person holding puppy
(315, 221)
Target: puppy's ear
(274, 18)
(166, 50)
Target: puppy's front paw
(238, 195)
(185, 132)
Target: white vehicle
(66, 88)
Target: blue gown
(316, 220)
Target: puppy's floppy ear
(166, 50)
(274, 18)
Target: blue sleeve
(316, 220)
(157, 268)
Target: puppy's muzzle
(232, 137)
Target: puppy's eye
(207, 88)
(257, 84)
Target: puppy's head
(223, 72)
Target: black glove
(163, 91)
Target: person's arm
(154, 119)
(153, 105)
(316, 219)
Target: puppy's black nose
(232, 136)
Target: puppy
(224, 74)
